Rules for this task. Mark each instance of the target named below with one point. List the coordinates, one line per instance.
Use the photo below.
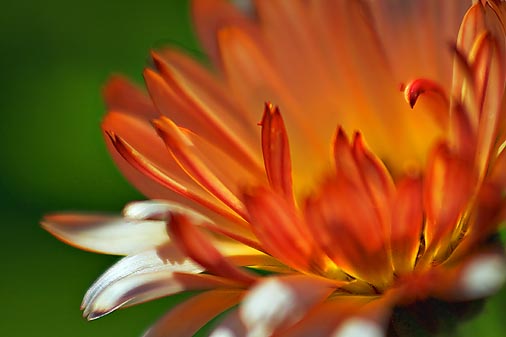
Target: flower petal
(137, 278)
(279, 302)
(448, 189)
(280, 229)
(123, 96)
(184, 150)
(201, 250)
(276, 152)
(188, 95)
(106, 234)
(407, 223)
(188, 317)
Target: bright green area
(55, 57)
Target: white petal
(483, 276)
(158, 210)
(280, 302)
(107, 234)
(135, 279)
(359, 327)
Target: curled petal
(434, 98)
(137, 278)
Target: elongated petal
(276, 152)
(279, 302)
(407, 223)
(143, 274)
(280, 229)
(188, 317)
(448, 189)
(186, 153)
(188, 95)
(201, 250)
(106, 234)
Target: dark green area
(55, 57)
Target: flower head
(296, 222)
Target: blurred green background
(55, 57)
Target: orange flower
(260, 218)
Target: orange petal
(149, 170)
(407, 223)
(199, 248)
(280, 229)
(188, 157)
(448, 189)
(346, 226)
(188, 317)
(121, 95)
(276, 152)
(210, 16)
(194, 99)
(433, 99)
(345, 316)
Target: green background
(55, 57)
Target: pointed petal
(185, 188)
(433, 98)
(279, 302)
(199, 248)
(187, 94)
(137, 278)
(188, 317)
(106, 234)
(187, 155)
(276, 152)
